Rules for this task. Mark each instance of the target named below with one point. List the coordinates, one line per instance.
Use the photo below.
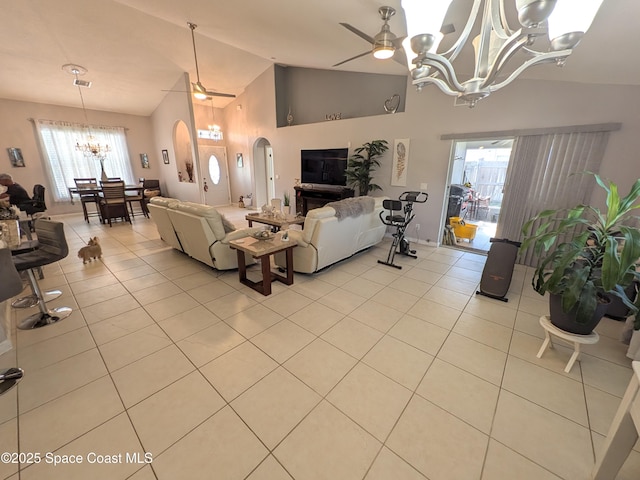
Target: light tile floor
(358, 372)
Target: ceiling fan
(199, 91)
(385, 44)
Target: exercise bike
(390, 218)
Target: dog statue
(91, 251)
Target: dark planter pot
(567, 322)
(618, 310)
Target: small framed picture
(15, 155)
(144, 159)
(239, 160)
(165, 157)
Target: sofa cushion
(210, 214)
(228, 226)
(312, 219)
(165, 201)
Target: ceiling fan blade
(398, 42)
(400, 56)
(368, 52)
(359, 33)
(447, 29)
(216, 94)
(208, 93)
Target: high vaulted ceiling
(135, 49)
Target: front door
(214, 174)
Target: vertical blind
(545, 172)
(63, 162)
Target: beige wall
(175, 106)
(16, 130)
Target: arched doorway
(182, 146)
(263, 171)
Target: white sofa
(325, 240)
(197, 230)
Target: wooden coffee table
(262, 250)
(275, 222)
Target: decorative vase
(286, 209)
(289, 117)
(566, 321)
(103, 174)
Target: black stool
(32, 300)
(52, 247)
(10, 285)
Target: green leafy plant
(363, 163)
(287, 200)
(596, 262)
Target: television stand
(310, 196)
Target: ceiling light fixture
(565, 22)
(91, 148)
(383, 46)
(215, 131)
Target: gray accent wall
(314, 94)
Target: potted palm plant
(287, 202)
(581, 271)
(363, 163)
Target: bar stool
(32, 300)
(10, 285)
(52, 247)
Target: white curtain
(541, 176)
(63, 162)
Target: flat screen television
(325, 167)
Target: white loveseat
(197, 230)
(325, 239)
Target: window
(214, 169)
(63, 162)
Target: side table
(262, 250)
(276, 223)
(571, 338)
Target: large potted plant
(363, 163)
(582, 270)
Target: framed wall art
(15, 155)
(400, 163)
(165, 157)
(144, 160)
(239, 160)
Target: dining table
(98, 190)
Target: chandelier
(91, 148)
(564, 21)
(215, 133)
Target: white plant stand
(572, 338)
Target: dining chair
(88, 197)
(113, 203)
(137, 197)
(150, 189)
(483, 207)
